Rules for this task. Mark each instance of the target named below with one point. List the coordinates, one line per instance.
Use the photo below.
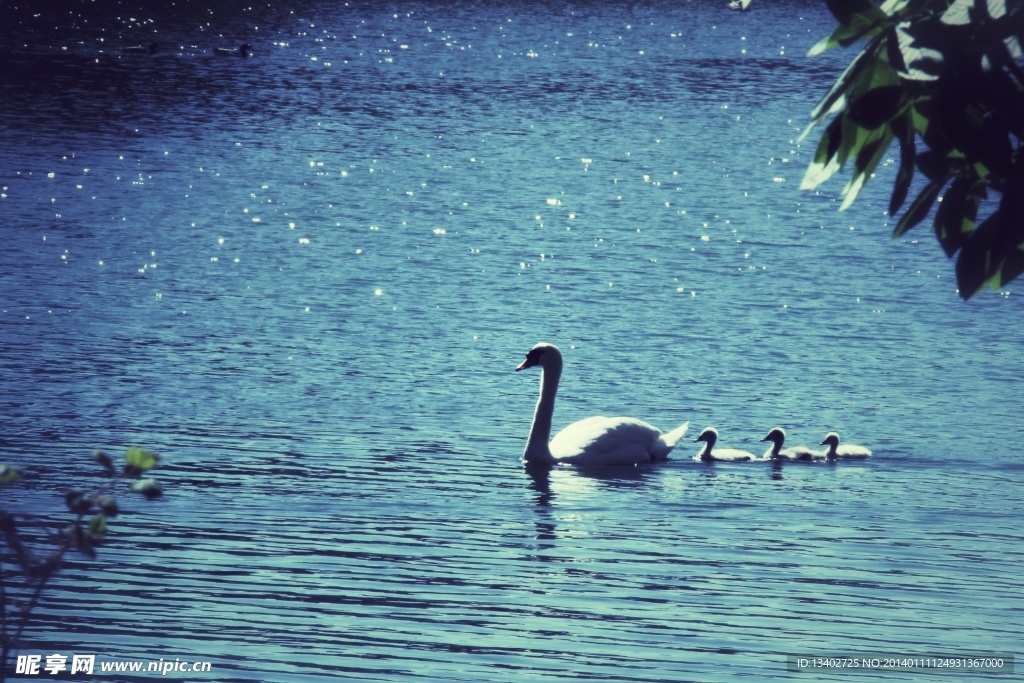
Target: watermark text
(35, 665)
(996, 662)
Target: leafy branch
(945, 74)
(80, 535)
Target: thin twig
(49, 568)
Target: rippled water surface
(305, 279)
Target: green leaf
(992, 253)
(994, 149)
(79, 540)
(919, 117)
(150, 488)
(77, 502)
(879, 75)
(892, 7)
(97, 527)
(935, 165)
(826, 43)
(1011, 240)
(908, 153)
(854, 139)
(108, 504)
(868, 156)
(850, 12)
(860, 27)
(825, 162)
(877, 107)
(954, 220)
(141, 460)
(103, 459)
(893, 51)
(10, 473)
(1012, 267)
(976, 263)
(845, 80)
(919, 209)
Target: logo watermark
(35, 665)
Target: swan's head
(775, 436)
(709, 436)
(542, 354)
(831, 439)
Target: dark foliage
(944, 78)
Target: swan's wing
(628, 453)
(605, 441)
(667, 442)
(732, 455)
(803, 453)
(852, 452)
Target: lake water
(305, 279)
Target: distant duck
(241, 51)
(777, 436)
(150, 49)
(739, 5)
(848, 451)
(595, 441)
(709, 454)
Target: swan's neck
(776, 449)
(708, 445)
(537, 449)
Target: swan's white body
(777, 436)
(847, 451)
(710, 454)
(595, 441)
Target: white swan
(848, 451)
(710, 437)
(777, 436)
(595, 440)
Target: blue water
(306, 278)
